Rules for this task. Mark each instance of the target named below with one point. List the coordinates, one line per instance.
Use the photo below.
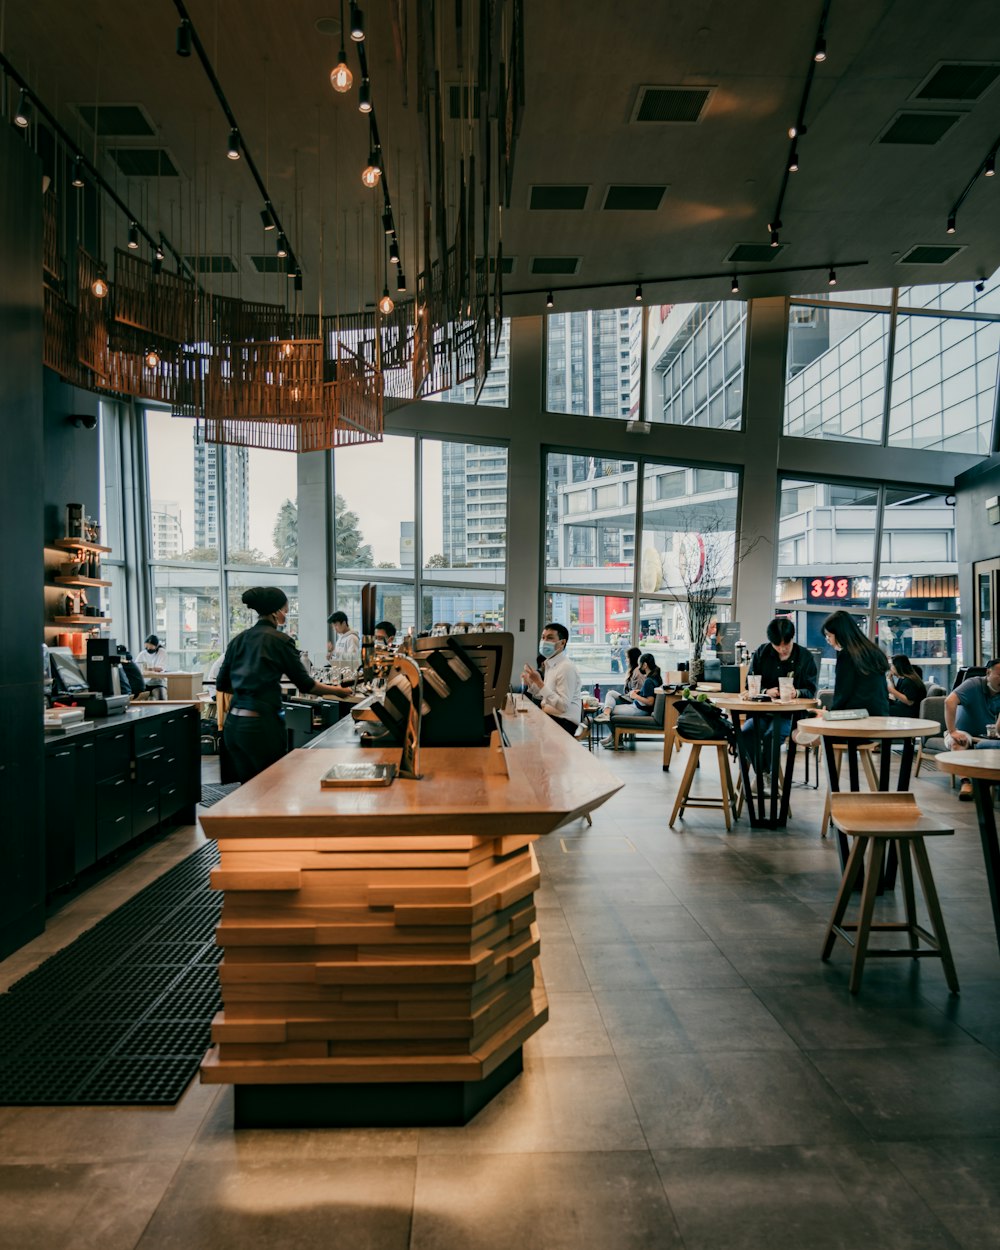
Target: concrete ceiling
(854, 199)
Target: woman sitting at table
(905, 689)
(633, 683)
(641, 700)
(861, 667)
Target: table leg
(905, 764)
(786, 790)
(777, 796)
(903, 783)
(742, 753)
(991, 847)
(884, 763)
(668, 737)
(834, 783)
(852, 764)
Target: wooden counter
(380, 944)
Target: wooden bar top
(553, 779)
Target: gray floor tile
(559, 1201)
(575, 1027)
(653, 965)
(959, 1181)
(695, 1020)
(622, 923)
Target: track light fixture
(774, 238)
(290, 267)
(267, 221)
(233, 150)
(549, 301)
(793, 162)
(820, 53)
(394, 251)
(152, 358)
(184, 38)
(157, 265)
(385, 304)
(78, 181)
(357, 24)
(831, 277)
(282, 248)
(638, 293)
(796, 131)
(387, 225)
(133, 236)
(158, 252)
(400, 281)
(22, 114)
(980, 286)
(990, 168)
(950, 228)
(365, 96)
(735, 285)
(298, 278)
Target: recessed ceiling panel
(634, 199)
(117, 119)
(144, 162)
(923, 128)
(563, 198)
(755, 253)
(957, 81)
(671, 104)
(555, 264)
(928, 254)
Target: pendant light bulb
(357, 24)
(23, 114)
(549, 301)
(385, 304)
(267, 221)
(133, 237)
(365, 96)
(394, 252)
(282, 248)
(152, 359)
(99, 287)
(78, 181)
(371, 173)
(286, 350)
(233, 150)
(341, 78)
(831, 279)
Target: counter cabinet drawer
(151, 735)
(114, 814)
(151, 768)
(113, 753)
(145, 807)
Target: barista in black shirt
(254, 663)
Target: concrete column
(315, 552)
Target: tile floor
(704, 1081)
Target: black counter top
(135, 712)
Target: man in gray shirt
(969, 710)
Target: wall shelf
(90, 622)
(78, 544)
(80, 581)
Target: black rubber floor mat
(123, 1015)
(214, 794)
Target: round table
(983, 769)
(741, 706)
(851, 733)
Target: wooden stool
(728, 798)
(880, 819)
(865, 751)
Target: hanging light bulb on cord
(99, 287)
(341, 78)
(152, 358)
(385, 304)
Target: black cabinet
(60, 781)
(85, 820)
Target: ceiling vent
(671, 104)
(564, 198)
(922, 128)
(144, 162)
(755, 253)
(630, 199)
(266, 264)
(117, 119)
(928, 254)
(555, 264)
(210, 263)
(458, 101)
(956, 81)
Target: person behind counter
(345, 649)
(152, 659)
(385, 634)
(251, 671)
(904, 687)
(861, 666)
(558, 692)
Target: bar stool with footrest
(728, 799)
(879, 819)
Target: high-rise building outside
(208, 459)
(167, 536)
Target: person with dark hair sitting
(558, 692)
(633, 683)
(251, 671)
(643, 699)
(973, 705)
(861, 666)
(152, 660)
(904, 687)
(781, 656)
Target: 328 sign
(829, 588)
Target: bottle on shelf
(74, 520)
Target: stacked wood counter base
(381, 946)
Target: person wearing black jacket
(781, 656)
(861, 666)
(906, 690)
(255, 661)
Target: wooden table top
(741, 703)
(982, 764)
(553, 779)
(873, 727)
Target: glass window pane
(496, 388)
(932, 643)
(184, 479)
(663, 630)
(880, 296)
(455, 605)
(109, 461)
(918, 568)
(242, 617)
(188, 616)
(688, 540)
(826, 544)
(952, 296)
(464, 499)
(393, 602)
(692, 380)
(373, 505)
(944, 384)
(592, 362)
(590, 528)
(835, 373)
(600, 631)
(261, 508)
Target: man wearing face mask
(558, 692)
(255, 661)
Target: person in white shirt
(346, 643)
(152, 659)
(558, 692)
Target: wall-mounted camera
(83, 420)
